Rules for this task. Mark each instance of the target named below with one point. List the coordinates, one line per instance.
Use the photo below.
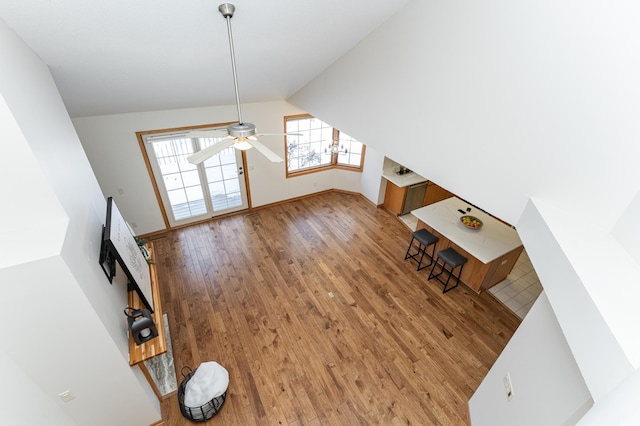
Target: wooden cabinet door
(435, 193)
(394, 197)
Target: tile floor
(521, 288)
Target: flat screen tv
(119, 244)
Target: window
(319, 147)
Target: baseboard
(163, 233)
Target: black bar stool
(450, 258)
(425, 239)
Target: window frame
(334, 164)
(145, 141)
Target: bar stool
(425, 239)
(450, 258)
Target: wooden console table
(154, 347)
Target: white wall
(619, 408)
(505, 103)
(626, 230)
(113, 150)
(62, 322)
(548, 388)
(497, 101)
(577, 275)
(372, 187)
(20, 410)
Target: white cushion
(209, 381)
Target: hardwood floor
(318, 318)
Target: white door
(192, 192)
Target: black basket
(204, 412)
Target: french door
(190, 192)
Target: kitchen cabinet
(394, 198)
(435, 193)
(401, 200)
(403, 191)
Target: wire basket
(204, 412)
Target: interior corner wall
(111, 140)
(548, 388)
(599, 354)
(626, 229)
(619, 407)
(62, 345)
(63, 324)
(372, 187)
(16, 408)
(114, 153)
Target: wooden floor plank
(318, 318)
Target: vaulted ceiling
(143, 55)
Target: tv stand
(138, 354)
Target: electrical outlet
(66, 396)
(508, 387)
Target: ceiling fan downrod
(227, 10)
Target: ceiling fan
(240, 135)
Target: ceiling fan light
(242, 144)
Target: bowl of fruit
(471, 222)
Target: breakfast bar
(491, 250)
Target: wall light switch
(508, 387)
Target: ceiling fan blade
(272, 156)
(213, 133)
(279, 134)
(210, 151)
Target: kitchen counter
(491, 250)
(401, 181)
(486, 244)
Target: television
(119, 245)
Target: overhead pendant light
(242, 144)
(336, 148)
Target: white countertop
(407, 179)
(486, 244)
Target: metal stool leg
(433, 268)
(406, 256)
(445, 289)
(451, 258)
(424, 239)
